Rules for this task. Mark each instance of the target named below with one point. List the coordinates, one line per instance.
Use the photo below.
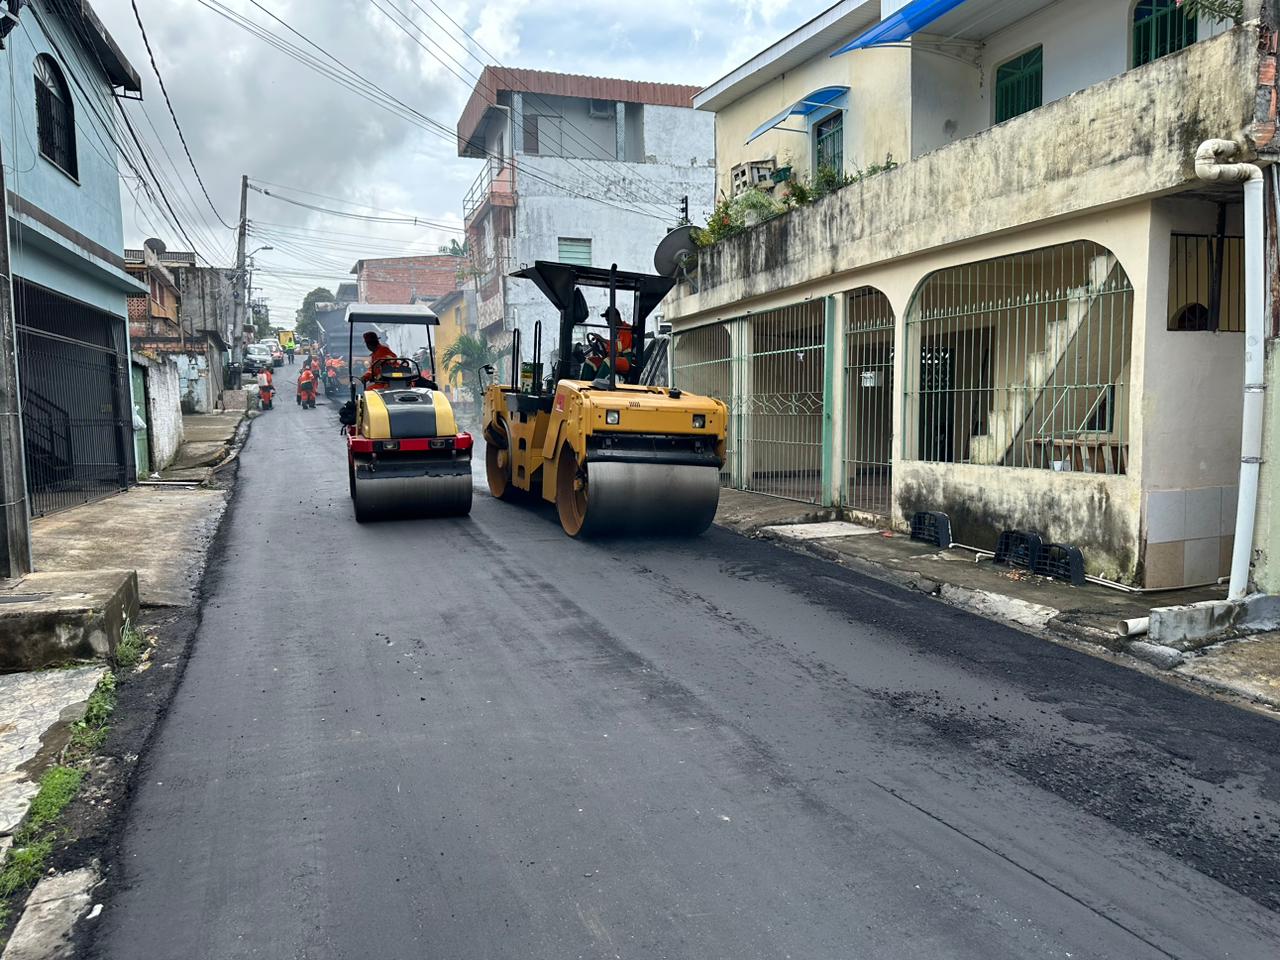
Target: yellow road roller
(615, 456)
(405, 454)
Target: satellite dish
(155, 245)
(675, 251)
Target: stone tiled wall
(1190, 535)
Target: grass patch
(57, 788)
(26, 861)
(24, 866)
(130, 649)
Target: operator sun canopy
(896, 27)
(820, 99)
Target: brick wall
(400, 279)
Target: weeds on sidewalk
(35, 839)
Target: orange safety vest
(380, 353)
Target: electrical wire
(169, 103)
(577, 163)
(362, 86)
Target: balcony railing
(497, 178)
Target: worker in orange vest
(307, 387)
(377, 353)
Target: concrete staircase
(1024, 401)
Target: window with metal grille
(1206, 283)
(1022, 361)
(1160, 27)
(55, 116)
(828, 148)
(1020, 85)
(576, 251)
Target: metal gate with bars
(74, 372)
(768, 368)
(868, 402)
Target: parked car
(257, 356)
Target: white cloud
(247, 108)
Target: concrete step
(54, 618)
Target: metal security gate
(868, 393)
(779, 402)
(74, 372)
(701, 363)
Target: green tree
(456, 249)
(464, 359)
(306, 324)
(262, 321)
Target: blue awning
(820, 99)
(912, 18)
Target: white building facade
(587, 170)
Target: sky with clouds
(246, 107)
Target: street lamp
(259, 250)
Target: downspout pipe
(1213, 163)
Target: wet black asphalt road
(479, 739)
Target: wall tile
(1204, 513)
(1166, 515)
(1201, 559)
(1163, 563)
(1229, 497)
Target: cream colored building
(1035, 321)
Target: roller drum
(415, 496)
(650, 499)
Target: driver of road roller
(596, 364)
(377, 353)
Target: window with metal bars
(1022, 361)
(55, 116)
(1020, 85)
(828, 137)
(1160, 27)
(1206, 283)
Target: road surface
(476, 738)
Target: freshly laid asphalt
(477, 738)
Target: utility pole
(242, 288)
(15, 529)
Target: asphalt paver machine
(613, 455)
(405, 454)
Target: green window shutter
(829, 144)
(575, 251)
(1160, 27)
(1020, 85)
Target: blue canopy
(895, 28)
(820, 99)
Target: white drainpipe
(1210, 165)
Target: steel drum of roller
(412, 496)
(671, 500)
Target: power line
(169, 103)
(362, 86)
(408, 220)
(584, 139)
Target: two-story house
(66, 237)
(1033, 319)
(577, 169)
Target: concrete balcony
(495, 186)
(1115, 142)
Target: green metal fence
(1022, 361)
(868, 402)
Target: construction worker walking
(307, 387)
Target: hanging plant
(1232, 10)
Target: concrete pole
(15, 529)
(242, 290)
(834, 402)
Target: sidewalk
(1248, 668)
(161, 530)
(208, 438)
